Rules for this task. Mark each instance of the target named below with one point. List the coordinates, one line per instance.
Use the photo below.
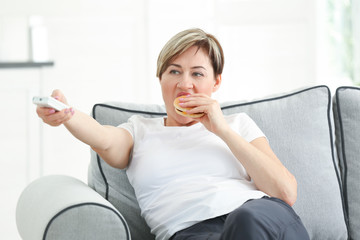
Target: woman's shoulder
(138, 124)
(236, 117)
(245, 126)
(139, 120)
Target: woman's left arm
(260, 162)
(262, 165)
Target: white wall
(356, 32)
(107, 50)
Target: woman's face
(189, 73)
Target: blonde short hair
(186, 39)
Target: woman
(212, 177)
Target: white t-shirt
(184, 175)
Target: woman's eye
(197, 74)
(174, 72)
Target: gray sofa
(315, 133)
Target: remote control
(49, 102)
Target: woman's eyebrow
(199, 67)
(175, 65)
(194, 67)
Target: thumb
(58, 95)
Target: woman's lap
(265, 218)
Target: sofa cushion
(298, 126)
(347, 129)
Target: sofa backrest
(347, 123)
(299, 128)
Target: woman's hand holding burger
(204, 109)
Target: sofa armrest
(62, 207)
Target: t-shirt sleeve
(246, 127)
(129, 126)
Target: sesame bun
(182, 111)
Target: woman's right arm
(113, 144)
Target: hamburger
(182, 111)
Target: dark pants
(259, 219)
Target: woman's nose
(185, 83)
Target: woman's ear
(217, 83)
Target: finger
(198, 95)
(200, 109)
(195, 96)
(196, 103)
(58, 95)
(59, 117)
(43, 111)
(53, 118)
(193, 99)
(62, 120)
(206, 107)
